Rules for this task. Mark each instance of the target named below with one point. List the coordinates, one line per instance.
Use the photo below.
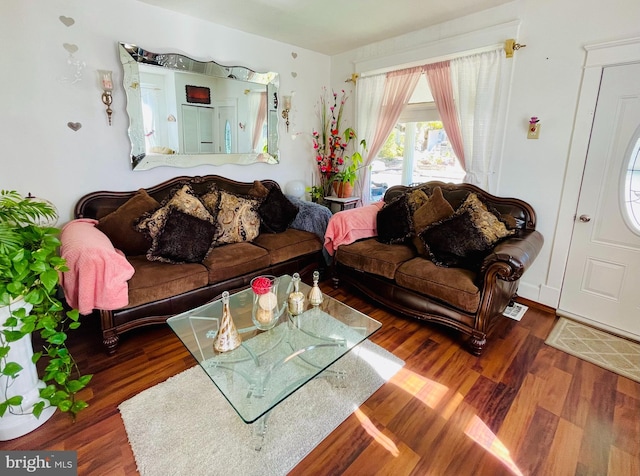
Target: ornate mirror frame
(132, 56)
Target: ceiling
(327, 26)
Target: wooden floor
(522, 408)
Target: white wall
(546, 82)
(41, 155)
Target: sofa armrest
(515, 255)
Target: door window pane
(632, 188)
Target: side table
(344, 203)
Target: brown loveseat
(160, 287)
(442, 258)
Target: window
(632, 188)
(417, 150)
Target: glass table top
(271, 365)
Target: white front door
(227, 130)
(602, 279)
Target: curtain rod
(509, 47)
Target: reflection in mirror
(184, 112)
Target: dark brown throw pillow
(456, 242)
(394, 221)
(119, 225)
(277, 212)
(258, 190)
(434, 210)
(183, 238)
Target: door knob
(585, 218)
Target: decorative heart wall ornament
(70, 47)
(294, 74)
(68, 21)
(294, 55)
(74, 126)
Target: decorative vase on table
(228, 337)
(315, 294)
(295, 301)
(265, 312)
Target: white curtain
(257, 109)
(370, 93)
(478, 83)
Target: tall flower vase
(18, 421)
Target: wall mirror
(184, 113)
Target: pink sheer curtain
(262, 114)
(439, 77)
(398, 88)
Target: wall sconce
(107, 87)
(286, 107)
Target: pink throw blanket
(348, 226)
(98, 273)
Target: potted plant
(331, 144)
(345, 179)
(29, 274)
(316, 192)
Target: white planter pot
(26, 384)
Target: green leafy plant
(29, 267)
(316, 192)
(349, 173)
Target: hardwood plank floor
(522, 408)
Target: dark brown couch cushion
(373, 257)
(235, 259)
(154, 280)
(119, 225)
(288, 244)
(454, 286)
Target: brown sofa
(159, 289)
(467, 289)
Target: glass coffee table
(271, 365)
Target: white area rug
(184, 426)
(613, 353)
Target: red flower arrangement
(329, 143)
